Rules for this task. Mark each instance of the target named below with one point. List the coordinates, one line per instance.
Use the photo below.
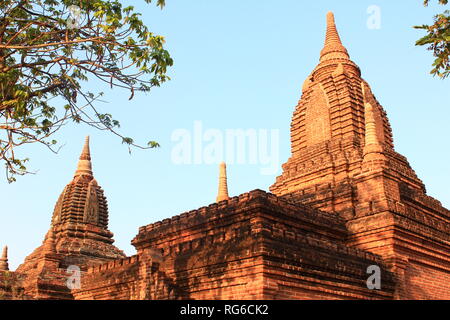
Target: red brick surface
(346, 200)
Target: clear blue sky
(238, 65)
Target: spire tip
(84, 164)
(333, 47)
(86, 149)
(330, 16)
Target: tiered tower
(343, 160)
(328, 134)
(78, 235)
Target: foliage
(49, 49)
(438, 41)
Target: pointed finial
(84, 164)
(223, 187)
(4, 260)
(333, 48)
(372, 145)
(86, 152)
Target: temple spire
(223, 187)
(4, 260)
(84, 164)
(333, 48)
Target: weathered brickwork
(255, 246)
(346, 201)
(357, 173)
(78, 236)
(11, 286)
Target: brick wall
(425, 283)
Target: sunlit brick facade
(346, 200)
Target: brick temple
(346, 201)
